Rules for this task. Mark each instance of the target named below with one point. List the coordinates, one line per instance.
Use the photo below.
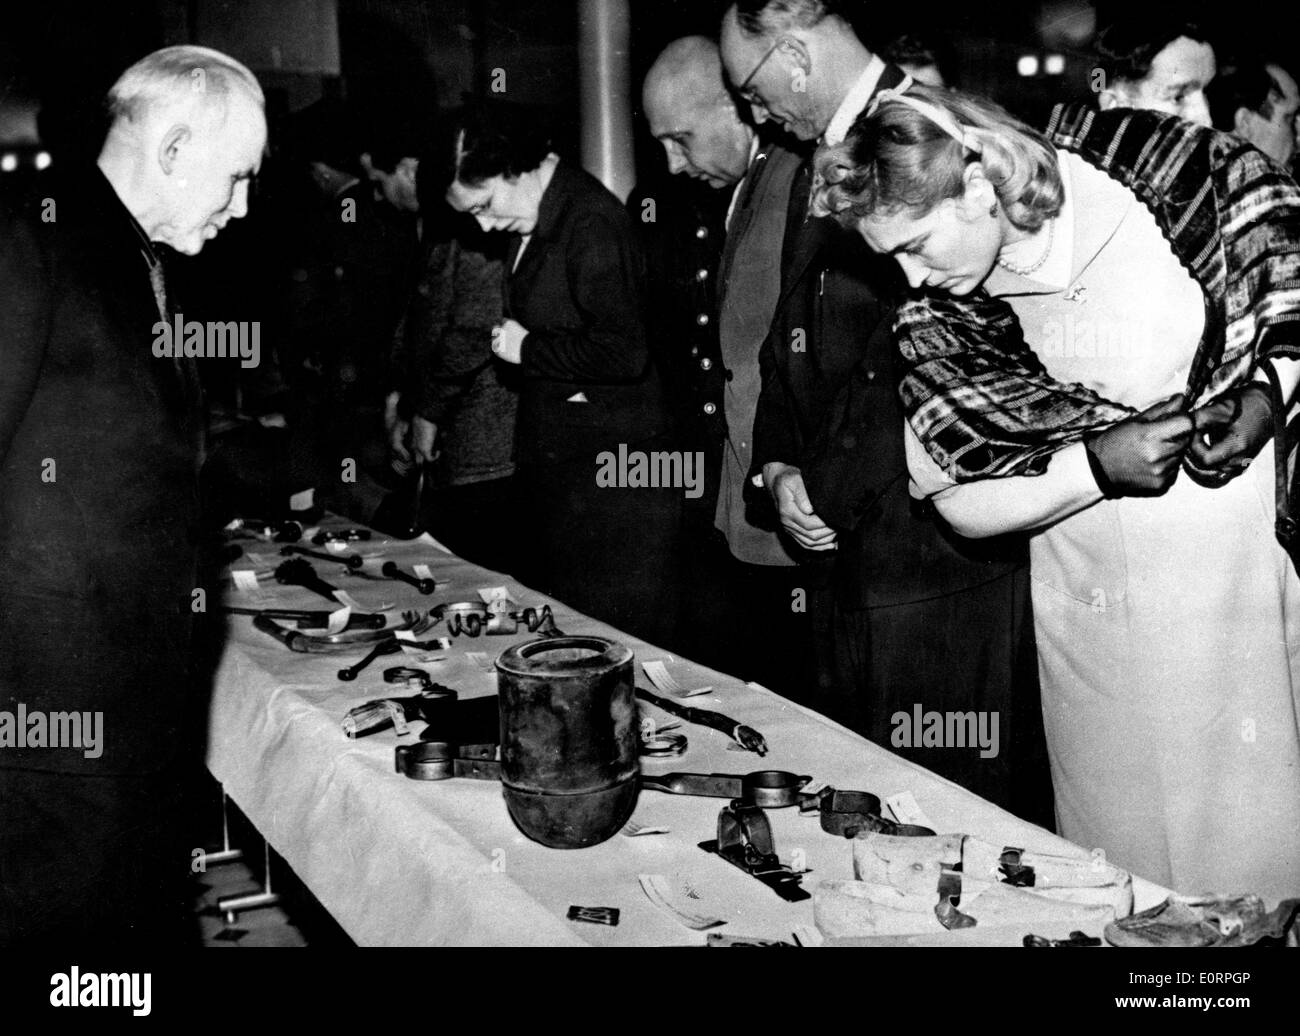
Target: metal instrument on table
(766, 789)
(282, 531)
(333, 643)
(299, 572)
(745, 841)
(384, 647)
(352, 561)
(425, 586)
(745, 736)
(432, 703)
(340, 536)
(473, 618)
(309, 620)
(847, 813)
(569, 739)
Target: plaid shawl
(982, 402)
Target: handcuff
(473, 618)
(847, 813)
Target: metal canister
(568, 738)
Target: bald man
(101, 436)
(741, 578)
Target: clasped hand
(1215, 443)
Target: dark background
(398, 60)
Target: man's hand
(423, 435)
(1140, 456)
(396, 432)
(508, 340)
(785, 483)
(1229, 433)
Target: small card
(660, 893)
(346, 599)
(634, 830)
(338, 620)
(303, 501)
(662, 679)
(245, 580)
(907, 810)
(422, 572)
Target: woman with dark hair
(574, 330)
(1108, 306)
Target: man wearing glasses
(903, 613)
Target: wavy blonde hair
(897, 158)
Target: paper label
(662, 679)
(302, 501)
(634, 830)
(659, 892)
(346, 599)
(907, 810)
(245, 580)
(422, 572)
(338, 620)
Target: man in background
(1258, 102)
(1157, 61)
(743, 578)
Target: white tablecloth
(410, 863)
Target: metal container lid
(563, 656)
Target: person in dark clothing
(575, 330)
(462, 403)
(101, 438)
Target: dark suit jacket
(579, 290)
(830, 406)
(98, 551)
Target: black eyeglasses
(743, 90)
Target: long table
(411, 863)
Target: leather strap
(1284, 439)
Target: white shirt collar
(854, 102)
(749, 171)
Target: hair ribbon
(934, 113)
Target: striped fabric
(981, 401)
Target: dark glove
(1229, 433)
(1140, 456)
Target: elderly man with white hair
(100, 444)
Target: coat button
(702, 319)
(702, 232)
(710, 408)
(701, 274)
(706, 364)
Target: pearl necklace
(1025, 271)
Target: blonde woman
(1087, 352)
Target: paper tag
(634, 830)
(808, 935)
(245, 580)
(338, 620)
(337, 546)
(480, 659)
(303, 501)
(906, 810)
(422, 572)
(659, 892)
(497, 598)
(662, 679)
(813, 787)
(346, 599)
(399, 718)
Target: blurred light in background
(1054, 64)
(1027, 65)
(42, 160)
(9, 162)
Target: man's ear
(796, 52)
(1242, 122)
(169, 148)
